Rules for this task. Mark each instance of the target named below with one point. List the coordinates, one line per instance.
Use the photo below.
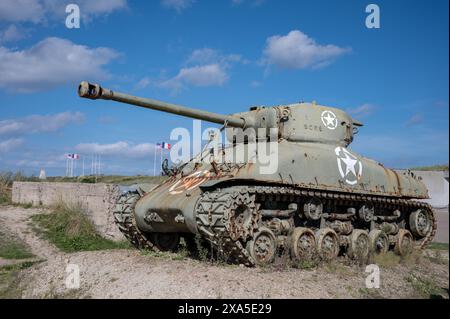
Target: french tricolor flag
(164, 145)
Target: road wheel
(327, 242)
(405, 242)
(379, 241)
(302, 244)
(263, 246)
(359, 247)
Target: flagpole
(160, 164)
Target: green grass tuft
(443, 167)
(12, 247)
(424, 287)
(438, 246)
(69, 229)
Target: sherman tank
(315, 199)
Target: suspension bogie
(356, 228)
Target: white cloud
(12, 33)
(39, 123)
(204, 67)
(255, 84)
(298, 51)
(52, 62)
(143, 83)
(210, 56)
(203, 75)
(121, 148)
(177, 5)
(22, 10)
(362, 110)
(39, 11)
(10, 144)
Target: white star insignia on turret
(329, 119)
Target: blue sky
(221, 56)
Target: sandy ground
(130, 274)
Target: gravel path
(130, 274)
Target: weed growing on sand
(424, 287)
(69, 229)
(12, 247)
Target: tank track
(124, 219)
(214, 207)
(216, 219)
(215, 222)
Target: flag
(73, 156)
(163, 145)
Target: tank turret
(299, 122)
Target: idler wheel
(420, 222)
(327, 242)
(166, 241)
(379, 241)
(302, 244)
(263, 246)
(359, 247)
(405, 242)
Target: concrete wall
(97, 199)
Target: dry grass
(391, 259)
(5, 189)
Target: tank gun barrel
(95, 91)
